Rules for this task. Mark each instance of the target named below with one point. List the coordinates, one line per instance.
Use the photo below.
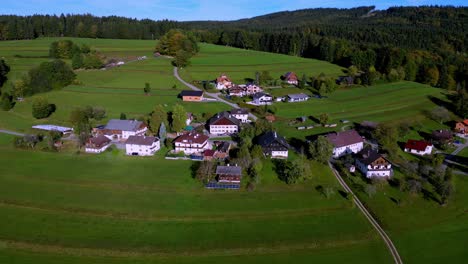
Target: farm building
(223, 82)
(372, 164)
(273, 145)
(345, 142)
(192, 143)
(97, 144)
(229, 174)
(462, 127)
(224, 123)
(142, 145)
(301, 97)
(63, 130)
(122, 129)
(191, 96)
(290, 77)
(240, 113)
(419, 147)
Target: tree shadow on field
(425, 135)
(441, 102)
(344, 194)
(428, 195)
(194, 168)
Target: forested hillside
(427, 44)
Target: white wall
(97, 151)
(142, 150)
(280, 154)
(354, 148)
(220, 130)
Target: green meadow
(74, 208)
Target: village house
(292, 98)
(229, 174)
(274, 145)
(418, 147)
(237, 91)
(220, 153)
(192, 143)
(97, 144)
(252, 89)
(224, 124)
(372, 164)
(122, 129)
(191, 96)
(142, 145)
(291, 78)
(223, 82)
(345, 142)
(462, 128)
(262, 99)
(241, 114)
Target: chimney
(275, 134)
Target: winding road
(391, 247)
(214, 95)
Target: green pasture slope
(239, 64)
(117, 90)
(69, 208)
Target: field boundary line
(388, 242)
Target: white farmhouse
(224, 124)
(123, 129)
(418, 147)
(142, 145)
(97, 144)
(301, 97)
(192, 143)
(345, 142)
(274, 145)
(223, 82)
(262, 99)
(241, 114)
(372, 164)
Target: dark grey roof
(141, 140)
(124, 125)
(368, 155)
(239, 111)
(269, 137)
(229, 170)
(224, 118)
(344, 138)
(224, 146)
(191, 93)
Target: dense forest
(427, 44)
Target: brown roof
(344, 138)
(192, 137)
(419, 145)
(224, 119)
(99, 141)
(223, 78)
(141, 140)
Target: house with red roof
(462, 127)
(345, 142)
(418, 147)
(291, 78)
(224, 124)
(223, 82)
(192, 143)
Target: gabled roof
(223, 78)
(367, 156)
(191, 93)
(99, 141)
(224, 119)
(419, 145)
(192, 137)
(229, 170)
(269, 137)
(290, 75)
(224, 146)
(141, 140)
(345, 138)
(260, 95)
(209, 153)
(465, 122)
(124, 125)
(239, 111)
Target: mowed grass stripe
(146, 252)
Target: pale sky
(186, 10)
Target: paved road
(460, 147)
(391, 247)
(9, 132)
(214, 95)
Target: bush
(49, 76)
(41, 108)
(6, 102)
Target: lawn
(240, 64)
(118, 90)
(61, 207)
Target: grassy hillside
(118, 90)
(239, 64)
(114, 209)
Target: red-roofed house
(223, 82)
(419, 147)
(291, 78)
(192, 143)
(462, 127)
